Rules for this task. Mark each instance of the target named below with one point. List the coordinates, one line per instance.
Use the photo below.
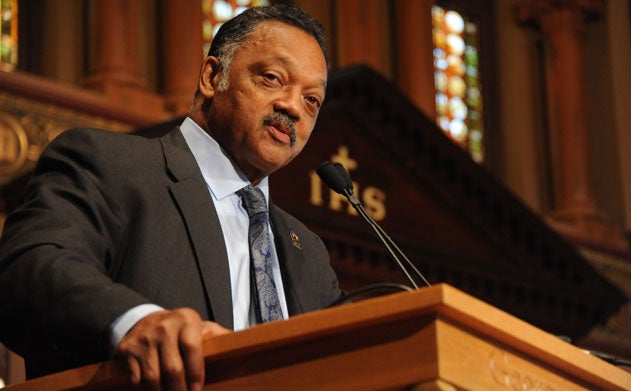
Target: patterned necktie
(263, 290)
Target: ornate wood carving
(26, 128)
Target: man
(125, 244)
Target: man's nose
(290, 103)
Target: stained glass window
(9, 34)
(457, 80)
(216, 12)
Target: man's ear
(209, 77)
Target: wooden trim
(75, 98)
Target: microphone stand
(387, 241)
(335, 176)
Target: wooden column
(362, 31)
(116, 51)
(415, 64)
(62, 41)
(182, 52)
(114, 65)
(563, 24)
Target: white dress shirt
(223, 179)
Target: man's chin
(274, 164)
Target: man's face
(277, 82)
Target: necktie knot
(253, 200)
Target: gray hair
(233, 34)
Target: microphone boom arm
(390, 244)
(335, 176)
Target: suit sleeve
(58, 250)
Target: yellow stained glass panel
(457, 81)
(217, 12)
(8, 34)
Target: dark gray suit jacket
(112, 221)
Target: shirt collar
(221, 174)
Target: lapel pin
(295, 240)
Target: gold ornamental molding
(13, 145)
(28, 126)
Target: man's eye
(314, 101)
(270, 77)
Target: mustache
(286, 121)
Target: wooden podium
(437, 338)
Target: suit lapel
(198, 211)
(297, 274)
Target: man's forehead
(267, 27)
(268, 36)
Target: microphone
(335, 176)
(331, 176)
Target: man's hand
(163, 351)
